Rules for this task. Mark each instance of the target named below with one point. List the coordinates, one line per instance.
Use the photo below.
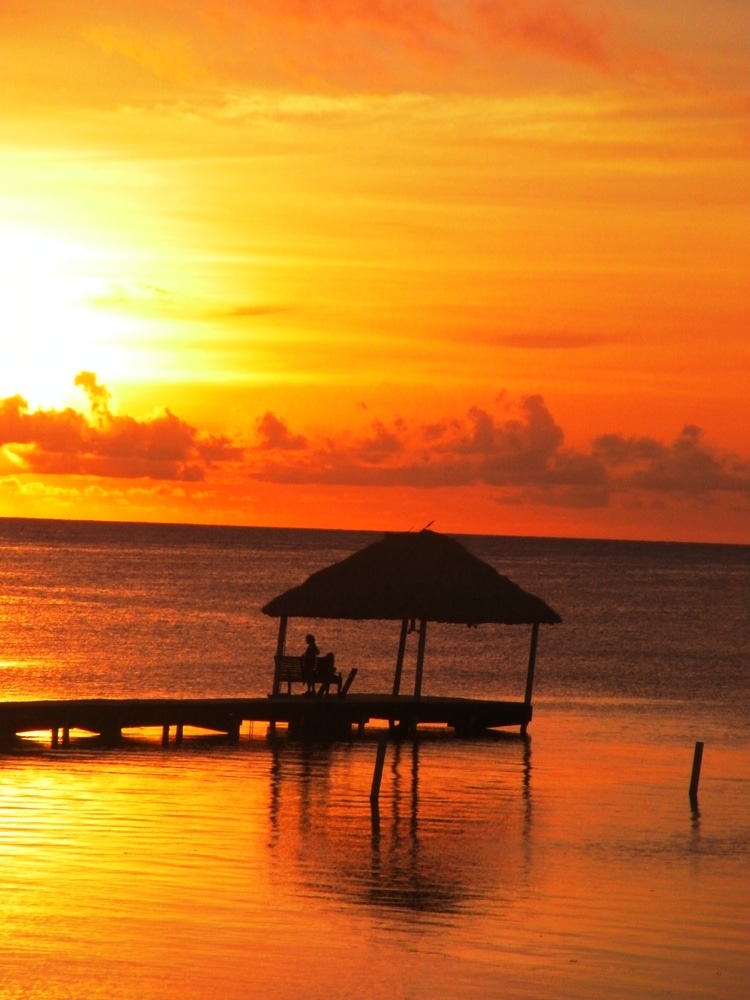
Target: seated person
(317, 668)
(325, 672)
(309, 658)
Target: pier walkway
(330, 717)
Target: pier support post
(55, 737)
(165, 735)
(696, 773)
(378, 772)
(530, 672)
(179, 732)
(66, 736)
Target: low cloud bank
(524, 457)
(521, 457)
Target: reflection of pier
(435, 845)
(319, 717)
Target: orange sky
(362, 263)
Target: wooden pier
(328, 717)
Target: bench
(291, 670)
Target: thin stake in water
(695, 776)
(378, 772)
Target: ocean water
(571, 864)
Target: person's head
(309, 638)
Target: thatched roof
(413, 575)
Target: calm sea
(568, 865)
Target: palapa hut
(413, 577)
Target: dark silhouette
(326, 674)
(417, 576)
(318, 669)
(309, 658)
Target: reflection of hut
(413, 577)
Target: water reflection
(453, 823)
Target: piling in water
(378, 772)
(695, 776)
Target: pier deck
(325, 717)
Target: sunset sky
(374, 264)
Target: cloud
(528, 442)
(136, 299)
(99, 397)
(552, 28)
(141, 300)
(523, 458)
(553, 341)
(161, 53)
(523, 451)
(65, 442)
(274, 434)
(383, 444)
(519, 454)
(250, 311)
(162, 50)
(687, 464)
(420, 20)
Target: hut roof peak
(413, 574)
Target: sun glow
(51, 329)
(490, 260)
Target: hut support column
(532, 662)
(281, 642)
(420, 657)
(400, 657)
(280, 646)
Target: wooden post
(165, 735)
(55, 737)
(179, 733)
(280, 646)
(695, 776)
(400, 657)
(66, 736)
(532, 662)
(420, 657)
(378, 772)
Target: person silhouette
(309, 658)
